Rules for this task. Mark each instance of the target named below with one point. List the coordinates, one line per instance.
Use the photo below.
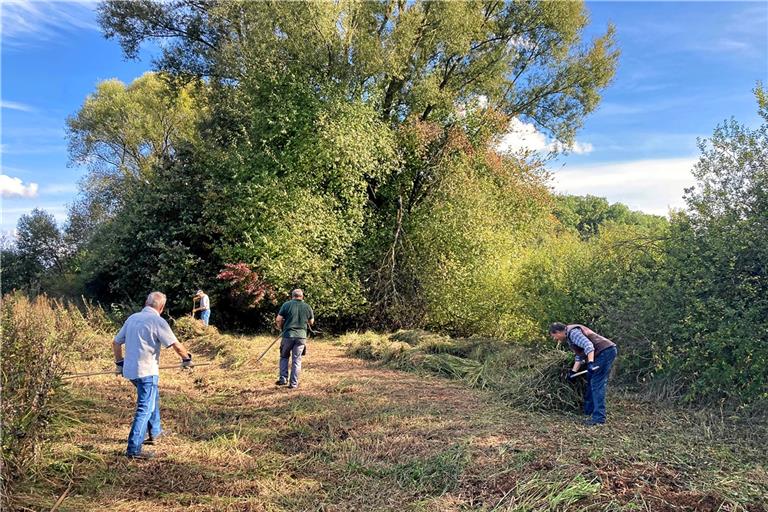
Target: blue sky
(685, 67)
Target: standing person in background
(204, 307)
(292, 320)
(143, 335)
(598, 353)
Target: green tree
(39, 239)
(38, 255)
(587, 214)
(332, 124)
(716, 283)
(122, 132)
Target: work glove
(119, 367)
(592, 368)
(571, 374)
(186, 363)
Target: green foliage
(714, 288)
(39, 240)
(294, 209)
(332, 124)
(419, 58)
(40, 257)
(586, 214)
(122, 132)
(155, 242)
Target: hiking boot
(144, 454)
(280, 383)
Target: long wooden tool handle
(267, 349)
(78, 375)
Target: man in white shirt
(143, 335)
(204, 308)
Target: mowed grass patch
(358, 436)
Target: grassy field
(359, 436)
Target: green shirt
(297, 314)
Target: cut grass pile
(526, 378)
(224, 349)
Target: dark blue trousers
(594, 398)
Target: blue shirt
(576, 337)
(143, 334)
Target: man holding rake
(144, 334)
(293, 320)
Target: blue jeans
(291, 347)
(594, 397)
(205, 316)
(147, 415)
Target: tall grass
(39, 338)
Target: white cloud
(652, 186)
(524, 136)
(14, 187)
(25, 21)
(14, 105)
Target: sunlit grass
(357, 436)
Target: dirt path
(356, 436)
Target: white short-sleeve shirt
(205, 302)
(144, 334)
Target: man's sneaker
(593, 423)
(144, 454)
(292, 386)
(280, 383)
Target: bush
(38, 338)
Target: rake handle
(78, 375)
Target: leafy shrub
(247, 289)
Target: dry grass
(358, 436)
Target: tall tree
(349, 115)
(121, 132)
(39, 239)
(718, 266)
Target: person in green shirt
(292, 320)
